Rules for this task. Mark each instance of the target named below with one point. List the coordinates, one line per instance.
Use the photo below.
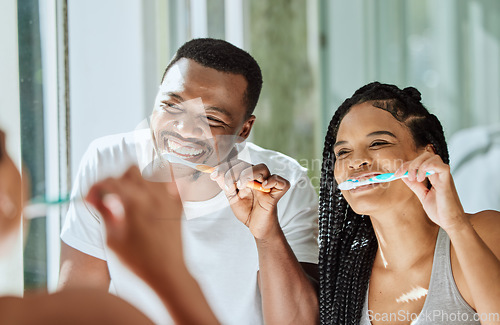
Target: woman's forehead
(365, 118)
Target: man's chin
(185, 173)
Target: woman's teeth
(183, 151)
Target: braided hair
(347, 240)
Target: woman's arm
(475, 240)
(476, 247)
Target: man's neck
(201, 189)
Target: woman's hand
(441, 201)
(256, 209)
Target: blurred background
(72, 71)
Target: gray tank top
(443, 304)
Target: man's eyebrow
(219, 109)
(178, 97)
(209, 108)
(369, 135)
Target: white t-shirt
(220, 251)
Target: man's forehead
(173, 79)
(222, 92)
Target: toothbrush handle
(258, 186)
(253, 185)
(405, 175)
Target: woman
(143, 228)
(385, 251)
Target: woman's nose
(359, 161)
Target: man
(245, 254)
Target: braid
(347, 243)
(347, 240)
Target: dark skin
(11, 191)
(406, 216)
(203, 111)
(81, 306)
(135, 228)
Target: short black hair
(225, 57)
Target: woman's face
(370, 141)
(10, 194)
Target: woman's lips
(364, 188)
(362, 177)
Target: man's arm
(288, 296)
(143, 227)
(288, 288)
(81, 270)
(79, 306)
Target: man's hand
(256, 209)
(142, 220)
(12, 190)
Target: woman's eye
(341, 153)
(378, 143)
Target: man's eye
(212, 121)
(171, 108)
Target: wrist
(459, 228)
(163, 268)
(271, 237)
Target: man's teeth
(181, 150)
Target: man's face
(200, 113)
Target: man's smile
(188, 149)
(181, 149)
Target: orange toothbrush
(208, 170)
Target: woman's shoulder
(487, 225)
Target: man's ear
(246, 128)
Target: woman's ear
(430, 148)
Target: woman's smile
(370, 141)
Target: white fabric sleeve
(82, 226)
(298, 212)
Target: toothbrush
(382, 178)
(208, 170)
(37, 207)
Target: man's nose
(188, 127)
